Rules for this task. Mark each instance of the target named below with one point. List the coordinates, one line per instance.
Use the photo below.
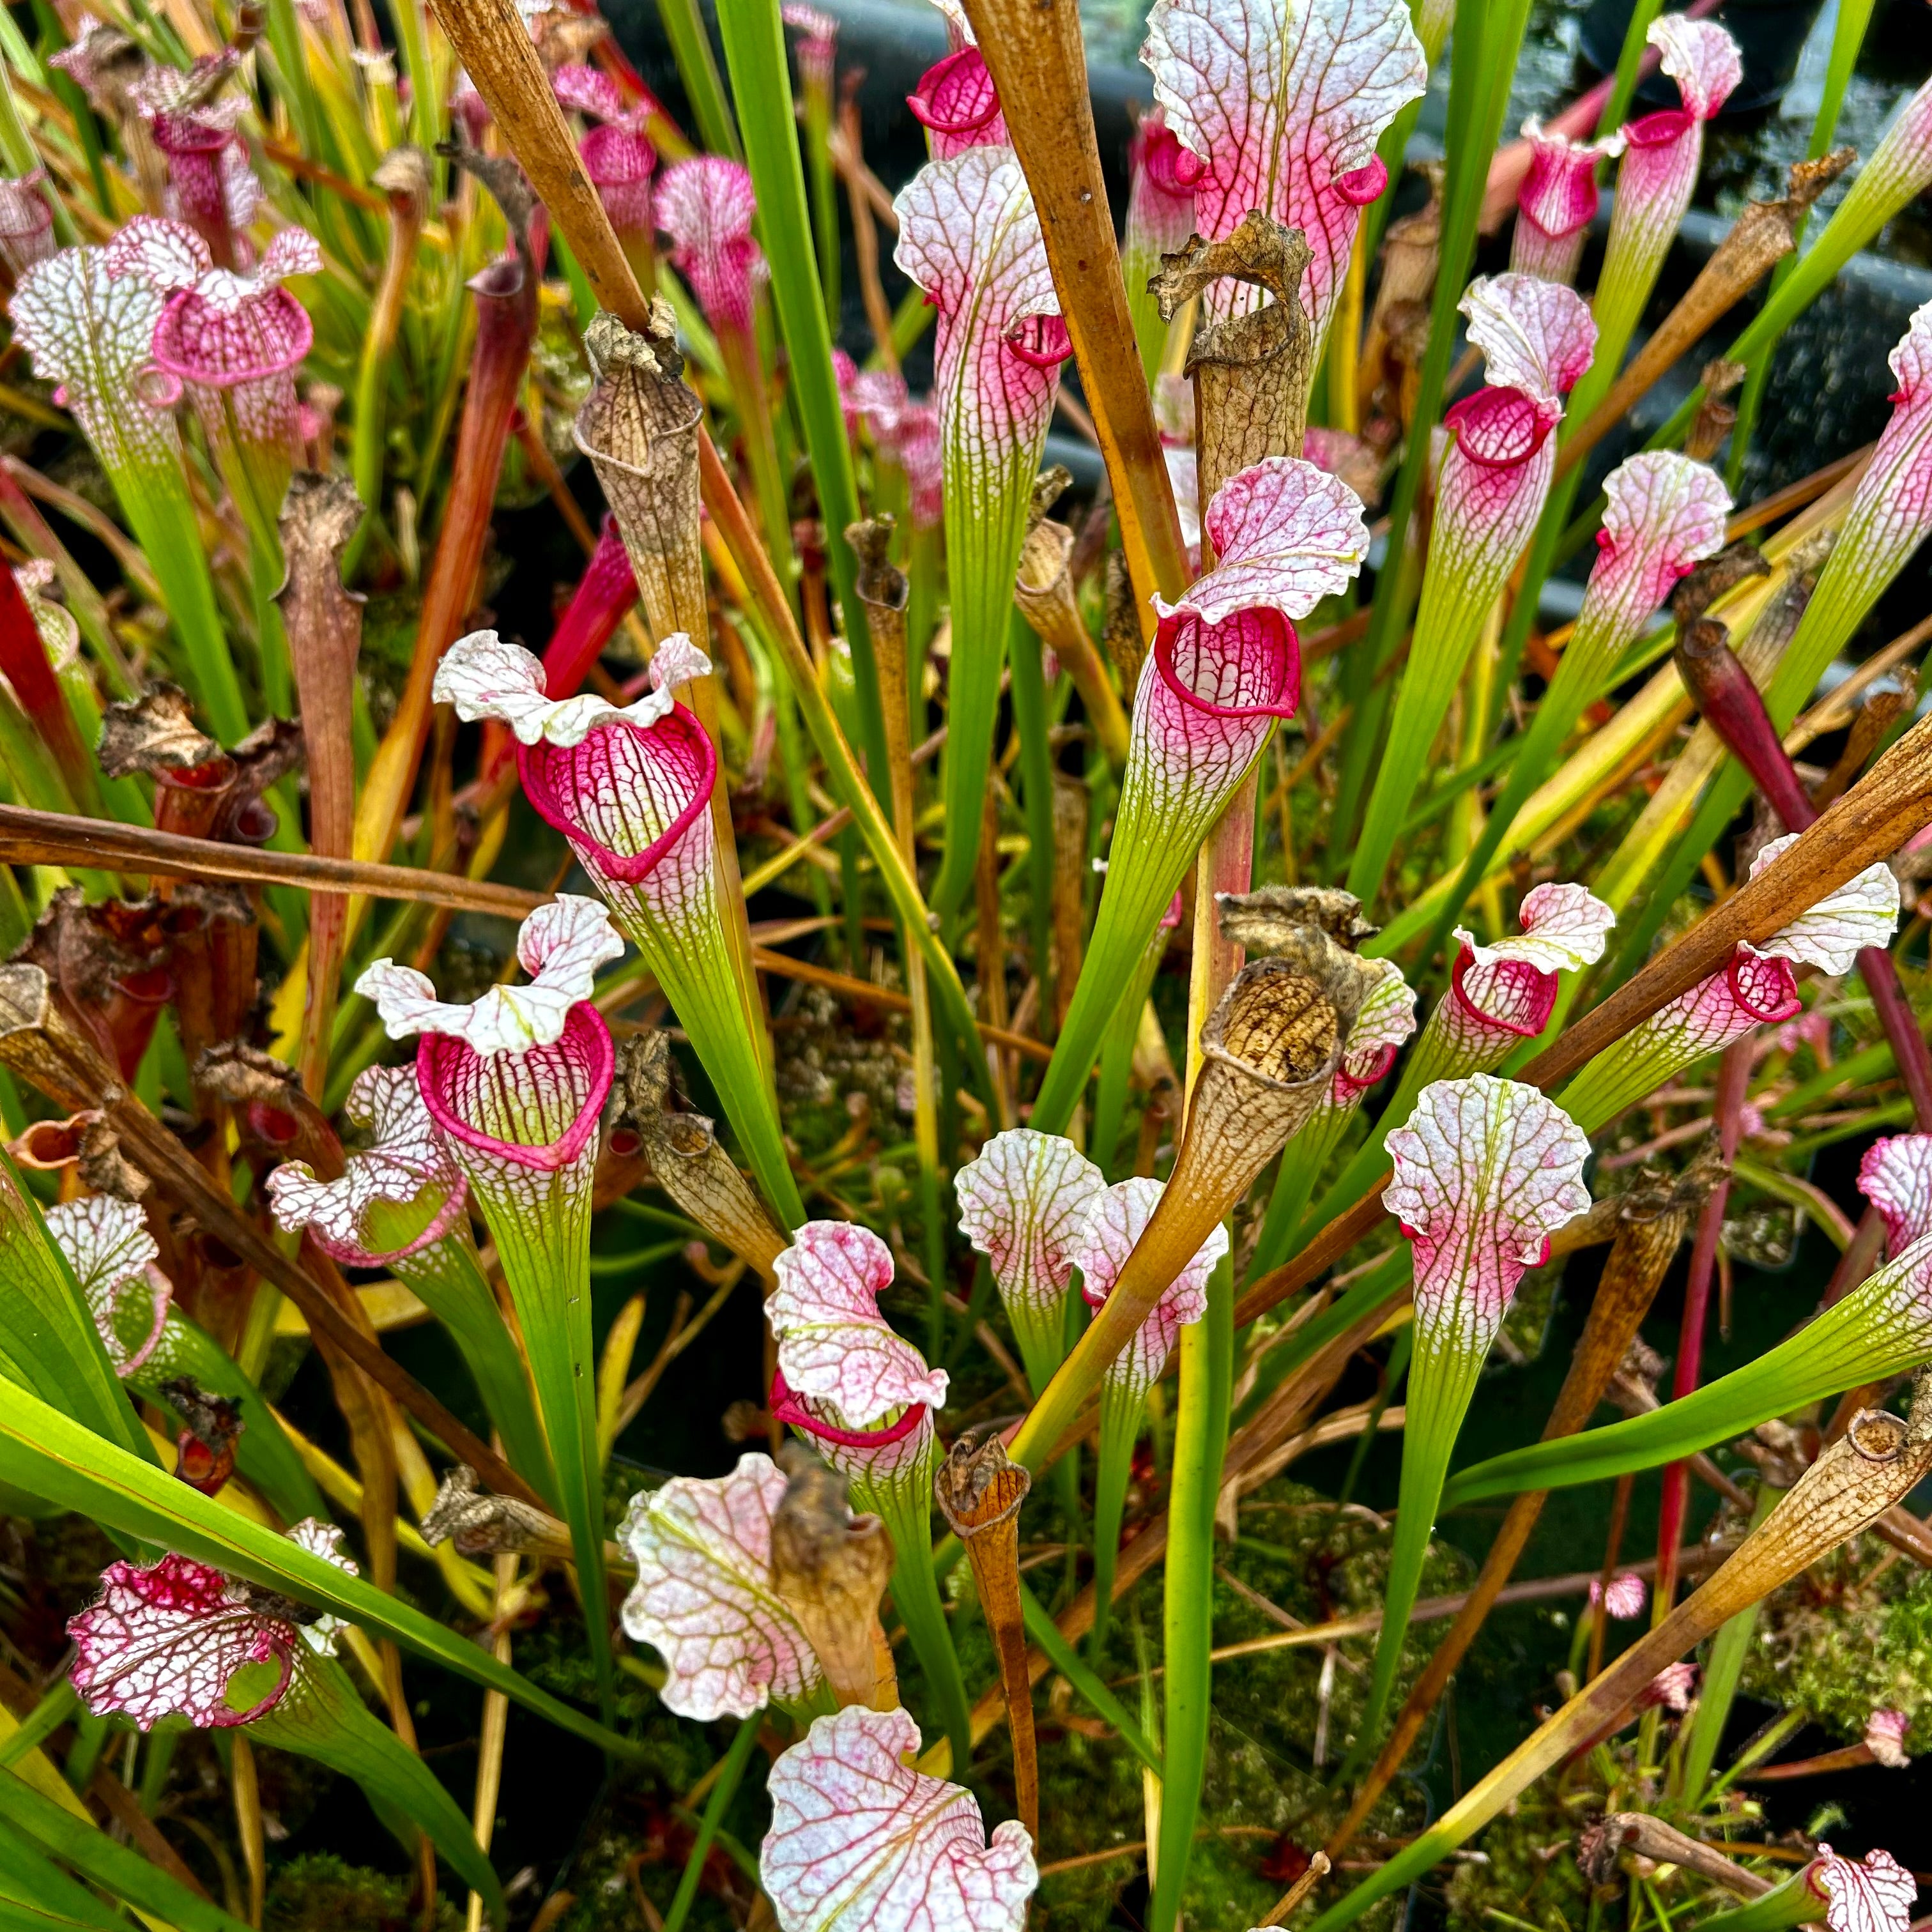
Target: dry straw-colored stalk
(1761, 237)
(1039, 64)
(324, 624)
(1880, 1460)
(980, 1492)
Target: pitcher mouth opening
(291, 328)
(1543, 1005)
(789, 1406)
(1500, 427)
(552, 803)
(1277, 629)
(1039, 341)
(956, 95)
(439, 1056)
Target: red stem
(506, 326)
(603, 597)
(23, 658)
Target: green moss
(635, 1842)
(1525, 1865)
(1526, 1324)
(318, 1892)
(1847, 1638)
(1266, 1802)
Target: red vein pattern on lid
(165, 1640)
(1283, 101)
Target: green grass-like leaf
(48, 1455)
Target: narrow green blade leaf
(321, 1718)
(46, 1454)
(754, 52)
(447, 1276)
(1065, 1659)
(1839, 1350)
(32, 1883)
(48, 1342)
(117, 1868)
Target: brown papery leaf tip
(830, 1568)
(1260, 252)
(1720, 377)
(1261, 920)
(213, 1420)
(814, 1527)
(104, 1169)
(319, 515)
(232, 1070)
(1806, 181)
(978, 1487)
(481, 1524)
(154, 732)
(881, 583)
(1308, 945)
(1661, 1190)
(1710, 580)
(1048, 486)
(610, 345)
(644, 1076)
(509, 187)
(403, 174)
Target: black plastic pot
(1770, 34)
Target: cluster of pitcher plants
(1135, 998)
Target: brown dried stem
(1893, 801)
(324, 624)
(1266, 1055)
(1881, 1460)
(28, 837)
(1039, 65)
(980, 1493)
(1761, 236)
(1654, 1218)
